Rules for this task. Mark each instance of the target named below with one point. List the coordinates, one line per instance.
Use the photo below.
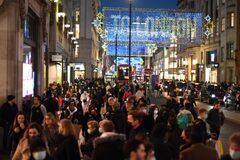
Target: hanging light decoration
(67, 25)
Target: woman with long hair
(50, 128)
(66, 142)
(23, 149)
(17, 130)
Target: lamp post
(116, 55)
(130, 38)
(174, 45)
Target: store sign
(79, 66)
(57, 58)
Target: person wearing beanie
(38, 149)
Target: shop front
(211, 71)
(30, 56)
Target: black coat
(118, 117)
(138, 131)
(87, 148)
(51, 105)
(109, 148)
(162, 150)
(15, 137)
(226, 157)
(215, 119)
(7, 114)
(66, 148)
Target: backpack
(182, 120)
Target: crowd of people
(93, 120)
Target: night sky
(140, 3)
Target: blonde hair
(67, 127)
(52, 117)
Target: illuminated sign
(135, 61)
(151, 27)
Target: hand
(22, 126)
(16, 130)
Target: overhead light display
(150, 27)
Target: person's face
(111, 102)
(35, 100)
(234, 147)
(13, 101)
(217, 106)
(20, 118)
(128, 106)
(48, 120)
(71, 106)
(132, 121)
(91, 128)
(33, 132)
(203, 115)
(141, 153)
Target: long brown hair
(15, 123)
(53, 118)
(67, 127)
(35, 126)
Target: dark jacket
(37, 114)
(75, 116)
(119, 119)
(7, 114)
(226, 157)
(162, 150)
(138, 131)
(215, 118)
(51, 105)
(15, 137)
(109, 148)
(87, 148)
(66, 148)
(50, 134)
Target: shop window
(230, 51)
(230, 20)
(30, 28)
(223, 25)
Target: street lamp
(174, 38)
(130, 38)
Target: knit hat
(36, 143)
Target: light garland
(150, 26)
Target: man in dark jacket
(135, 119)
(8, 112)
(51, 103)
(38, 111)
(215, 119)
(117, 116)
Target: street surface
(230, 125)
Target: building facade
(219, 50)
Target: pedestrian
(234, 148)
(72, 113)
(38, 149)
(202, 114)
(23, 149)
(215, 119)
(38, 111)
(90, 136)
(66, 142)
(51, 103)
(198, 151)
(109, 146)
(135, 150)
(8, 112)
(186, 138)
(118, 117)
(157, 138)
(50, 129)
(17, 130)
(135, 119)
